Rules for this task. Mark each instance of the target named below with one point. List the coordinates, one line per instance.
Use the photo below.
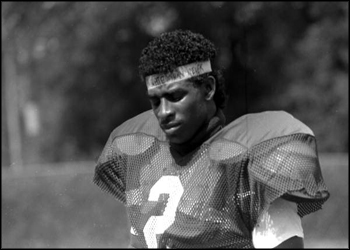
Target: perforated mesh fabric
(213, 197)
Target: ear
(210, 88)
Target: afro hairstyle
(178, 48)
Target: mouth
(170, 128)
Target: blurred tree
(317, 75)
(78, 62)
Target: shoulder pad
(144, 123)
(252, 129)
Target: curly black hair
(177, 48)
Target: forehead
(171, 87)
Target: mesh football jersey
(212, 197)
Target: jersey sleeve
(279, 223)
(110, 171)
(129, 139)
(288, 167)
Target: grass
(60, 207)
(329, 227)
(54, 211)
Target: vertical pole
(11, 98)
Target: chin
(175, 140)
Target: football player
(188, 180)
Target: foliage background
(70, 75)
(73, 68)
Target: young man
(190, 181)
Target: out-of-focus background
(70, 75)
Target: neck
(215, 123)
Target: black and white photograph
(171, 124)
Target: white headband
(179, 74)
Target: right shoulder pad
(145, 123)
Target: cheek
(199, 110)
(193, 109)
(196, 115)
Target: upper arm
(280, 226)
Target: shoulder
(254, 128)
(144, 123)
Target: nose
(166, 110)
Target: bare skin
(182, 108)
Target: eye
(176, 97)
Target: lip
(170, 127)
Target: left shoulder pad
(254, 128)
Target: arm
(279, 227)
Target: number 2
(158, 224)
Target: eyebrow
(168, 93)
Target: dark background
(70, 69)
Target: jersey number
(158, 224)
